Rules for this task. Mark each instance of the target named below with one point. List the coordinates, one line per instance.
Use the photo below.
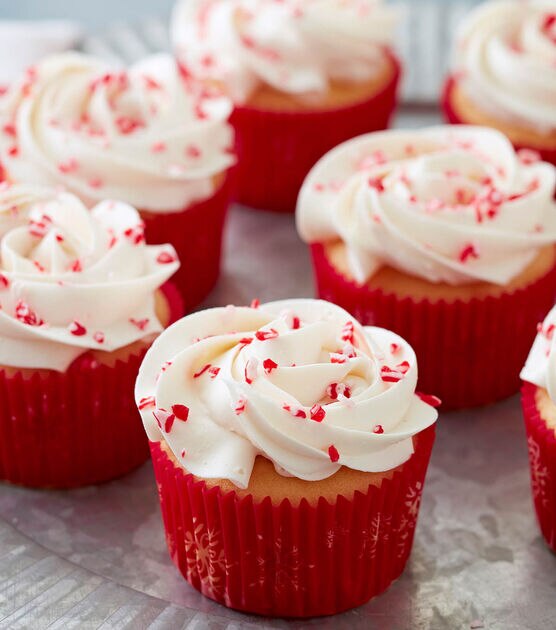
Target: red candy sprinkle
(250, 371)
(146, 403)
(240, 406)
(376, 184)
(77, 329)
(296, 412)
(193, 152)
(264, 335)
(76, 266)
(245, 341)
(431, 400)
(69, 166)
(169, 423)
(4, 282)
(296, 322)
(13, 151)
(394, 348)
(393, 375)
(378, 429)
(136, 234)
(348, 332)
(333, 453)
(469, 251)
(158, 147)
(214, 371)
(335, 390)
(99, 337)
(269, 365)
(165, 258)
(139, 323)
(337, 357)
(202, 371)
(26, 315)
(317, 413)
(181, 412)
(255, 303)
(128, 125)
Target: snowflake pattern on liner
(205, 558)
(539, 473)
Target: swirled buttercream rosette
(503, 72)
(447, 236)
(264, 421)
(148, 135)
(78, 311)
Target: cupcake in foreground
(81, 299)
(444, 235)
(290, 451)
(504, 73)
(148, 136)
(304, 76)
(539, 409)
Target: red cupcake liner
(470, 353)
(197, 234)
(287, 560)
(277, 149)
(541, 441)
(63, 430)
(547, 154)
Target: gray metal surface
(96, 557)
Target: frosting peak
(73, 279)
(296, 46)
(506, 57)
(146, 135)
(299, 381)
(448, 204)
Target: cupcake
(445, 236)
(290, 451)
(81, 299)
(539, 409)
(304, 76)
(504, 73)
(148, 136)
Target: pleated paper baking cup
(73, 428)
(291, 560)
(541, 441)
(277, 149)
(197, 235)
(470, 352)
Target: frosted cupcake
(504, 73)
(304, 76)
(444, 235)
(290, 451)
(539, 409)
(147, 136)
(81, 299)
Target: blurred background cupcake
(504, 72)
(445, 236)
(288, 441)
(539, 409)
(147, 135)
(304, 76)
(81, 299)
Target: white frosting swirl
(448, 204)
(506, 56)
(147, 136)
(73, 279)
(298, 381)
(540, 367)
(296, 46)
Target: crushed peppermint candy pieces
(393, 375)
(333, 454)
